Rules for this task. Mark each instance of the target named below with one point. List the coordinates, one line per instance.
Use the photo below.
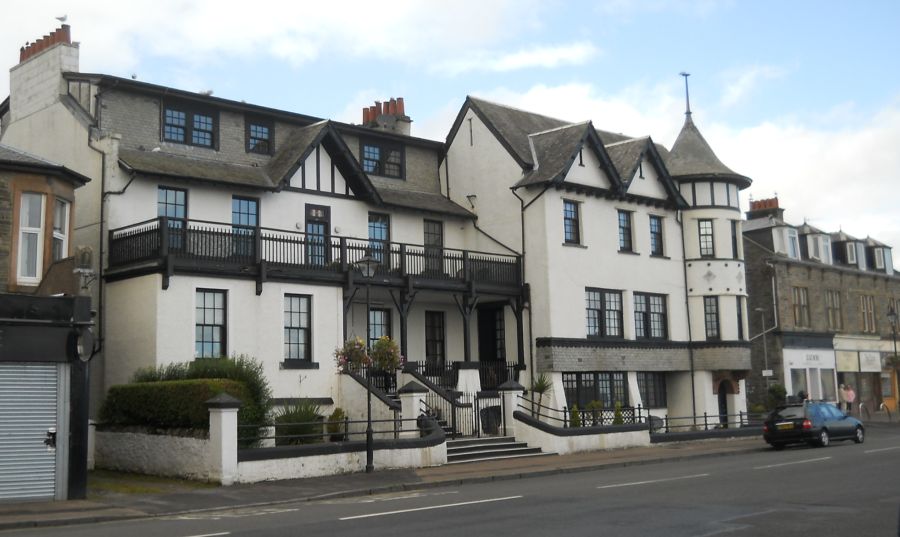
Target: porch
(174, 245)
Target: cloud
(740, 83)
(543, 57)
(118, 39)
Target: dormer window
(259, 136)
(793, 244)
(879, 258)
(851, 253)
(183, 124)
(826, 249)
(380, 158)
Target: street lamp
(762, 326)
(366, 267)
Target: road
(845, 489)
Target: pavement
(133, 497)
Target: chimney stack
(389, 115)
(62, 34)
(764, 209)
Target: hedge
(167, 404)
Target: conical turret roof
(692, 158)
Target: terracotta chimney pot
(400, 110)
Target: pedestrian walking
(851, 397)
(842, 396)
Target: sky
(803, 97)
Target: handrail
(367, 241)
(440, 392)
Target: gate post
(412, 399)
(223, 437)
(510, 393)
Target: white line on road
(653, 481)
(790, 463)
(431, 507)
(881, 449)
(212, 534)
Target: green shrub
(574, 417)
(166, 404)
(595, 410)
(775, 395)
(256, 403)
(298, 423)
(617, 415)
(336, 425)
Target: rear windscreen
(787, 413)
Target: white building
(525, 243)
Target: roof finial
(687, 95)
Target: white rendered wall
(155, 454)
(484, 168)
(559, 274)
(564, 445)
(590, 174)
(649, 185)
(132, 327)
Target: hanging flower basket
(386, 354)
(352, 356)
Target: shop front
(810, 370)
(864, 364)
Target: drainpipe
(525, 206)
(679, 217)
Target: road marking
(881, 449)
(211, 534)
(652, 481)
(790, 463)
(430, 507)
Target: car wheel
(778, 447)
(860, 436)
(824, 439)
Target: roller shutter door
(28, 408)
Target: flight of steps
(489, 448)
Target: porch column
(466, 305)
(517, 305)
(223, 437)
(404, 302)
(412, 399)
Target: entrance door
(724, 391)
(491, 347)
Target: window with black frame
(318, 225)
(652, 385)
(435, 344)
(244, 225)
(297, 327)
(650, 316)
(172, 204)
(656, 236)
(434, 247)
(184, 124)
(381, 158)
(379, 237)
(210, 334)
(603, 312)
(379, 324)
(625, 243)
(259, 136)
(605, 387)
(711, 317)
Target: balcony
(185, 246)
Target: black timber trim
(280, 401)
(127, 84)
(614, 195)
(742, 182)
(545, 342)
(295, 363)
(807, 340)
(434, 436)
(578, 431)
(720, 207)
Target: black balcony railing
(199, 241)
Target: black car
(812, 422)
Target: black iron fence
(320, 431)
(589, 417)
(220, 242)
(446, 375)
(384, 380)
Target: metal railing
(704, 422)
(314, 432)
(200, 240)
(384, 380)
(575, 417)
(446, 375)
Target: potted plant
(541, 385)
(386, 354)
(352, 355)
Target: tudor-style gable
(643, 171)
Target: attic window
(258, 134)
(851, 253)
(879, 258)
(185, 125)
(380, 158)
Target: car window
(832, 412)
(788, 413)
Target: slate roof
(807, 229)
(553, 152)
(296, 144)
(840, 236)
(872, 242)
(626, 156)
(691, 157)
(12, 158)
(169, 165)
(424, 201)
